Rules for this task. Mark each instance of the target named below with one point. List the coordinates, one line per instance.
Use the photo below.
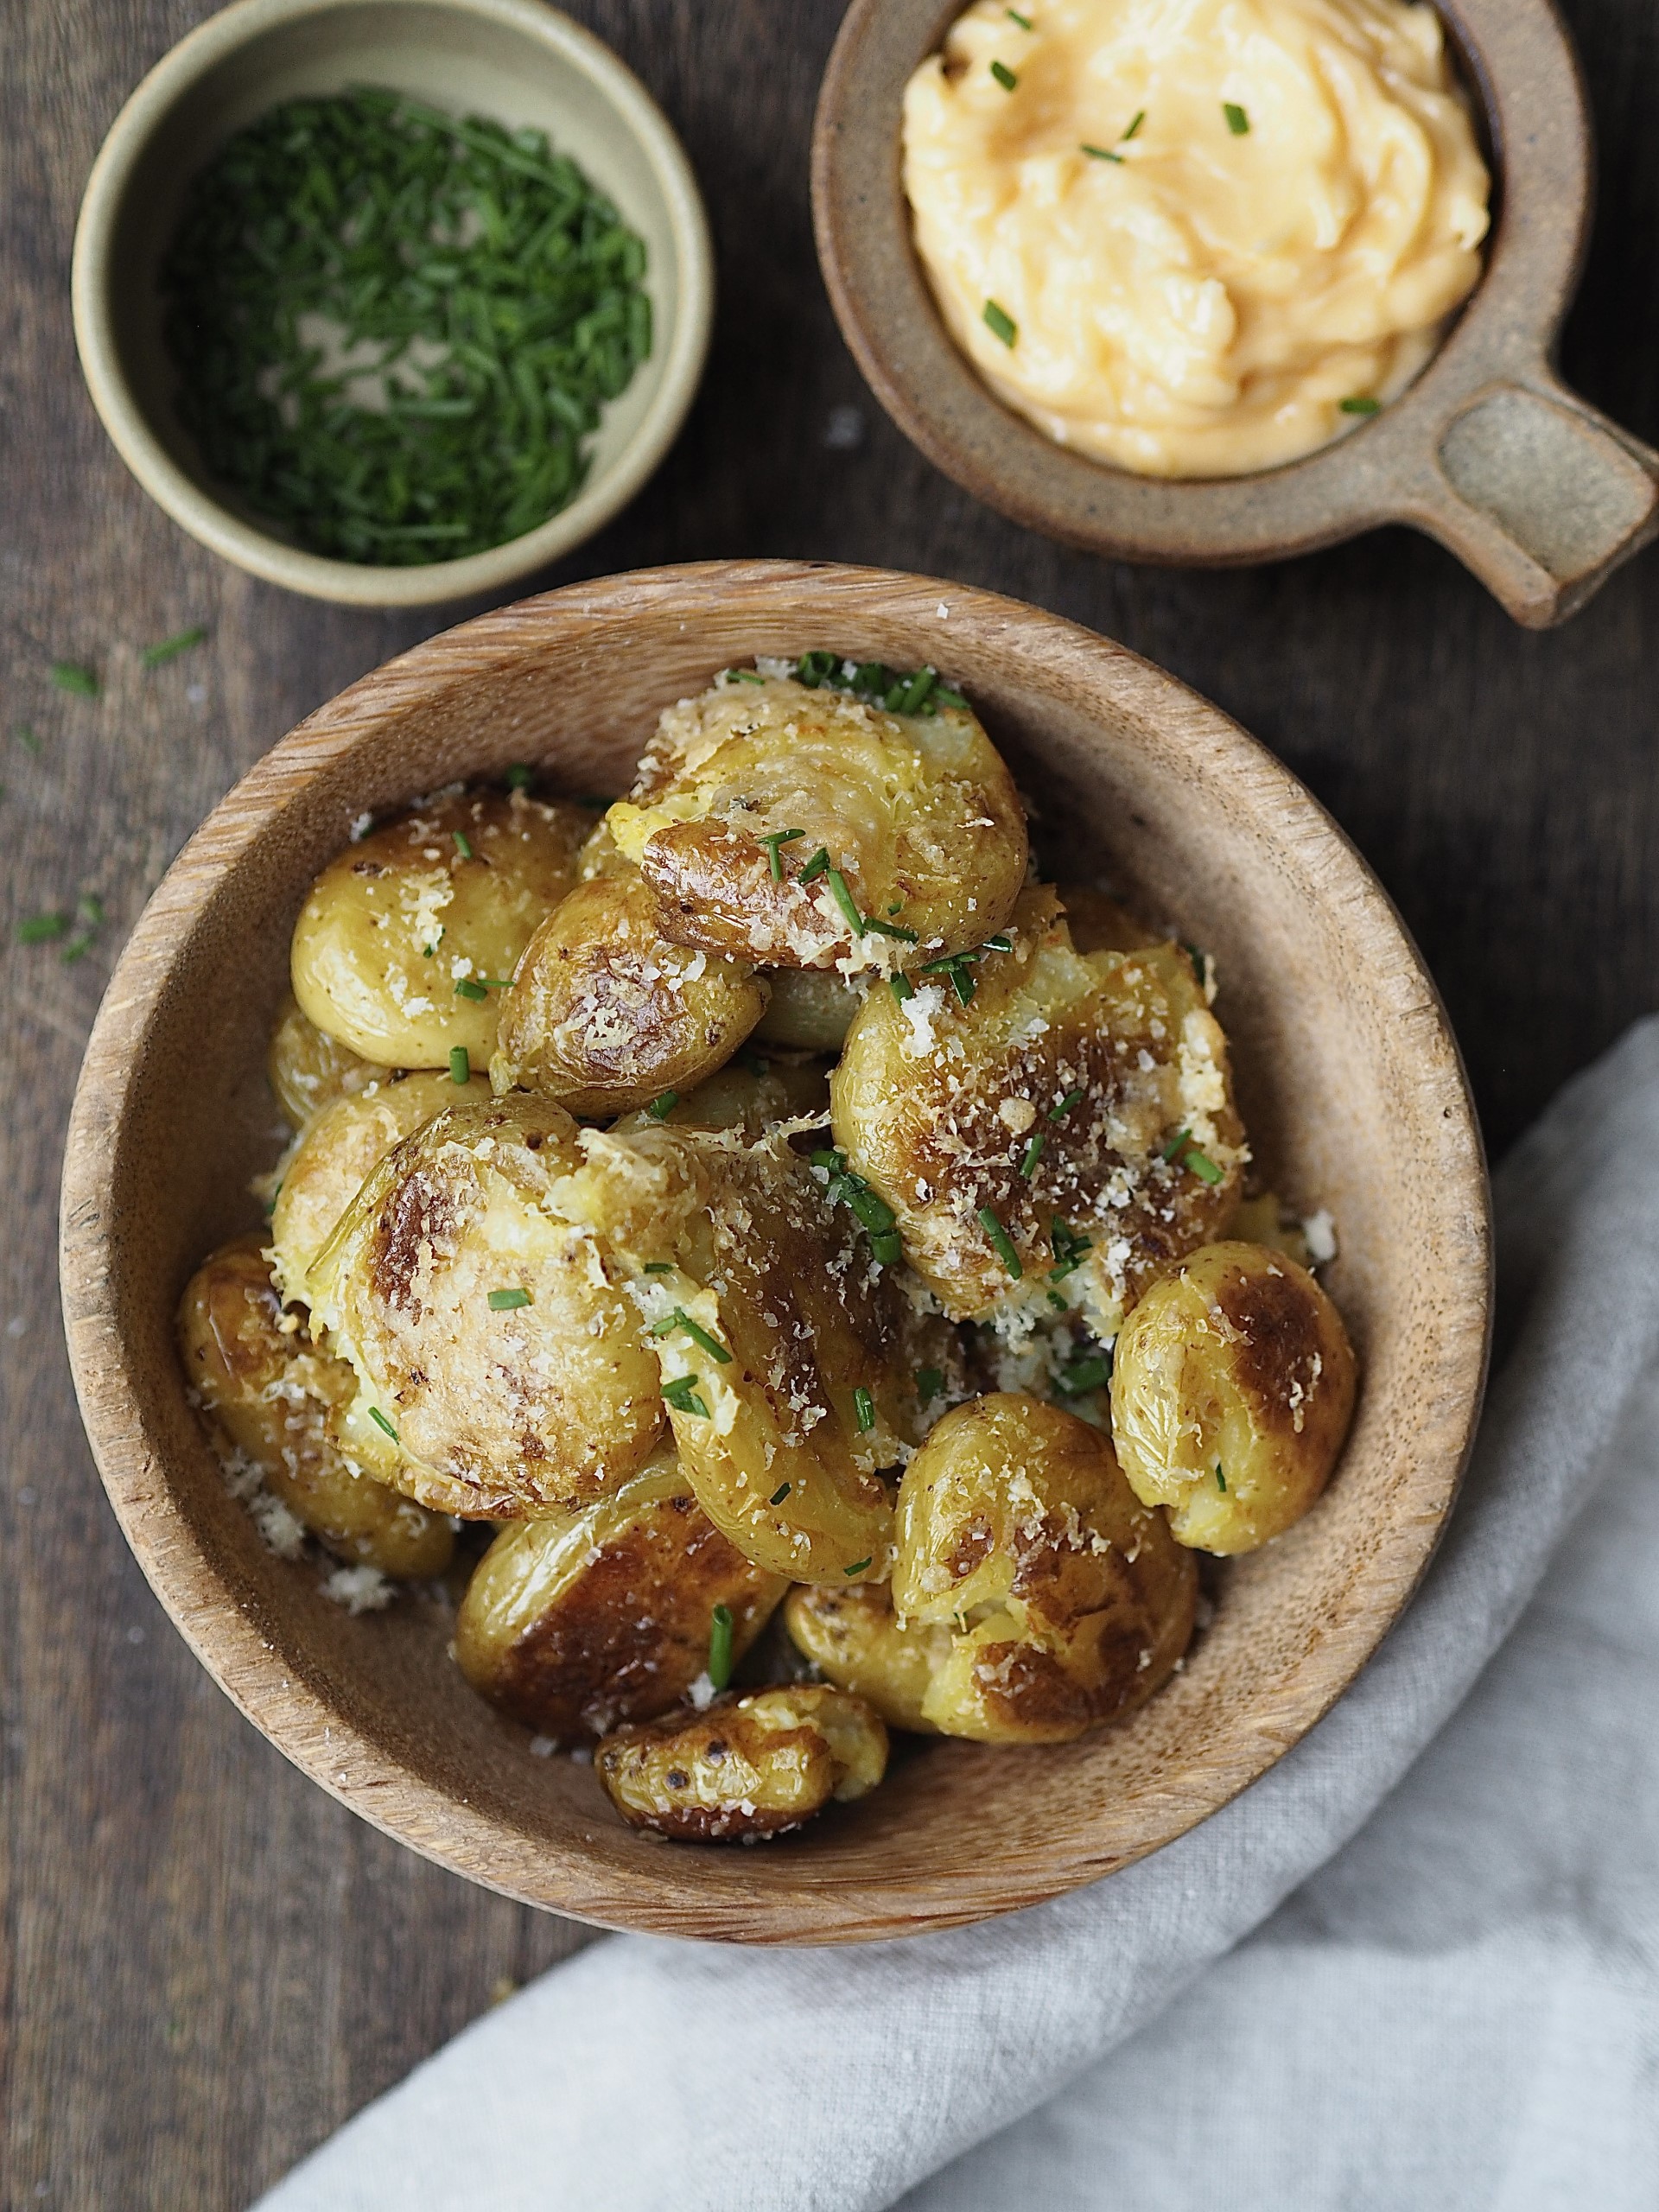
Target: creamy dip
(1195, 237)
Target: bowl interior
(515, 64)
(1355, 1100)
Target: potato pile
(818, 1246)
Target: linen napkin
(1462, 2007)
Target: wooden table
(205, 1964)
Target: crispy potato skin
(937, 1104)
(549, 1403)
(1067, 1602)
(1241, 1362)
(811, 1009)
(274, 1397)
(338, 1150)
(856, 1639)
(603, 1615)
(308, 1070)
(917, 813)
(748, 1767)
(359, 961)
(604, 1014)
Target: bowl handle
(1538, 493)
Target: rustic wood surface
(205, 1964)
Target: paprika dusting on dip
(1195, 237)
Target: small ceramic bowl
(514, 61)
(1534, 490)
(1350, 1083)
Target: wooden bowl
(1528, 485)
(1351, 1083)
(515, 61)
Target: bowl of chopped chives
(391, 301)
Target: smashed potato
(489, 1335)
(274, 1397)
(604, 1614)
(1050, 1128)
(751, 1767)
(804, 829)
(308, 1070)
(856, 1639)
(408, 936)
(811, 1009)
(1067, 1601)
(752, 1095)
(605, 1016)
(1232, 1395)
(328, 1168)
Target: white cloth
(1449, 2001)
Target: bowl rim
(223, 1625)
(316, 576)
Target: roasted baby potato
(748, 1767)
(274, 1397)
(484, 1323)
(752, 1093)
(325, 1171)
(604, 1015)
(1067, 1601)
(1232, 1391)
(802, 829)
(811, 1009)
(604, 1614)
(1059, 1136)
(308, 1071)
(407, 935)
(774, 1331)
(854, 1637)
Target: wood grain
(205, 1963)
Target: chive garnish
(1140, 117)
(460, 1068)
(1004, 76)
(506, 1301)
(1001, 1243)
(1057, 1300)
(42, 929)
(659, 1268)
(886, 1248)
(682, 1395)
(773, 842)
(857, 1567)
(914, 695)
(719, 1646)
(1205, 1168)
(816, 867)
(998, 943)
(1221, 1479)
(463, 843)
(843, 898)
(1067, 1248)
(517, 775)
(1033, 1154)
(1177, 1145)
(1062, 1107)
(780, 1494)
(157, 656)
(814, 669)
(1237, 122)
(75, 676)
(951, 698)
(901, 987)
(1088, 1372)
(929, 1381)
(1100, 154)
(864, 1410)
(679, 1319)
(1014, 16)
(380, 1421)
(1359, 404)
(660, 1108)
(872, 925)
(467, 989)
(1001, 325)
(742, 676)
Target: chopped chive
(773, 842)
(381, 1422)
(1100, 154)
(659, 1268)
(507, 1302)
(864, 1410)
(917, 691)
(1205, 1168)
(517, 775)
(679, 1319)
(1140, 117)
(872, 1211)
(901, 987)
(872, 925)
(463, 843)
(1014, 16)
(896, 906)
(1221, 1479)
(1033, 1154)
(857, 1567)
(157, 656)
(1058, 1301)
(1001, 325)
(467, 989)
(1001, 1243)
(780, 1493)
(885, 1248)
(950, 698)
(1237, 122)
(1062, 1107)
(816, 867)
(998, 943)
(843, 898)
(1004, 76)
(75, 676)
(814, 669)
(77, 949)
(90, 907)
(682, 1395)
(1360, 405)
(1088, 1372)
(42, 929)
(719, 1646)
(929, 1381)
(1177, 1145)
(660, 1108)
(460, 1068)
(1067, 1248)
(742, 676)
(825, 1158)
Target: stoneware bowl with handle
(1351, 1083)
